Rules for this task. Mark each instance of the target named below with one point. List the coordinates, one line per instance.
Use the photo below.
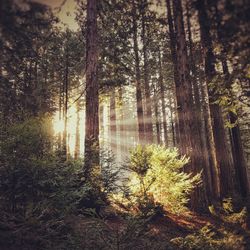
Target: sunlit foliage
(156, 176)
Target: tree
(189, 139)
(113, 125)
(25, 34)
(239, 162)
(201, 114)
(77, 141)
(92, 89)
(224, 164)
(174, 60)
(163, 104)
(148, 126)
(139, 105)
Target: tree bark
(239, 161)
(77, 140)
(148, 126)
(207, 180)
(157, 123)
(238, 157)
(60, 115)
(223, 160)
(139, 104)
(122, 124)
(190, 144)
(172, 121)
(163, 104)
(65, 87)
(91, 153)
(113, 132)
(172, 37)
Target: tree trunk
(239, 161)
(148, 116)
(122, 124)
(60, 116)
(223, 160)
(190, 144)
(66, 83)
(139, 104)
(172, 37)
(163, 104)
(238, 157)
(113, 132)
(92, 92)
(157, 123)
(77, 140)
(172, 121)
(207, 181)
(101, 125)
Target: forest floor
(118, 230)
(184, 231)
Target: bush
(228, 212)
(208, 238)
(40, 190)
(37, 188)
(156, 176)
(31, 175)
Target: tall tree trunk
(163, 104)
(113, 132)
(91, 153)
(139, 104)
(239, 161)
(157, 123)
(190, 144)
(238, 157)
(60, 115)
(66, 83)
(77, 140)
(148, 116)
(171, 104)
(172, 37)
(122, 125)
(210, 145)
(223, 160)
(208, 173)
(101, 125)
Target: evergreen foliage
(155, 177)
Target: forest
(124, 124)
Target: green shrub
(31, 175)
(156, 176)
(228, 213)
(207, 238)
(38, 190)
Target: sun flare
(58, 125)
(72, 120)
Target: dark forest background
(131, 132)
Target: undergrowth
(47, 204)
